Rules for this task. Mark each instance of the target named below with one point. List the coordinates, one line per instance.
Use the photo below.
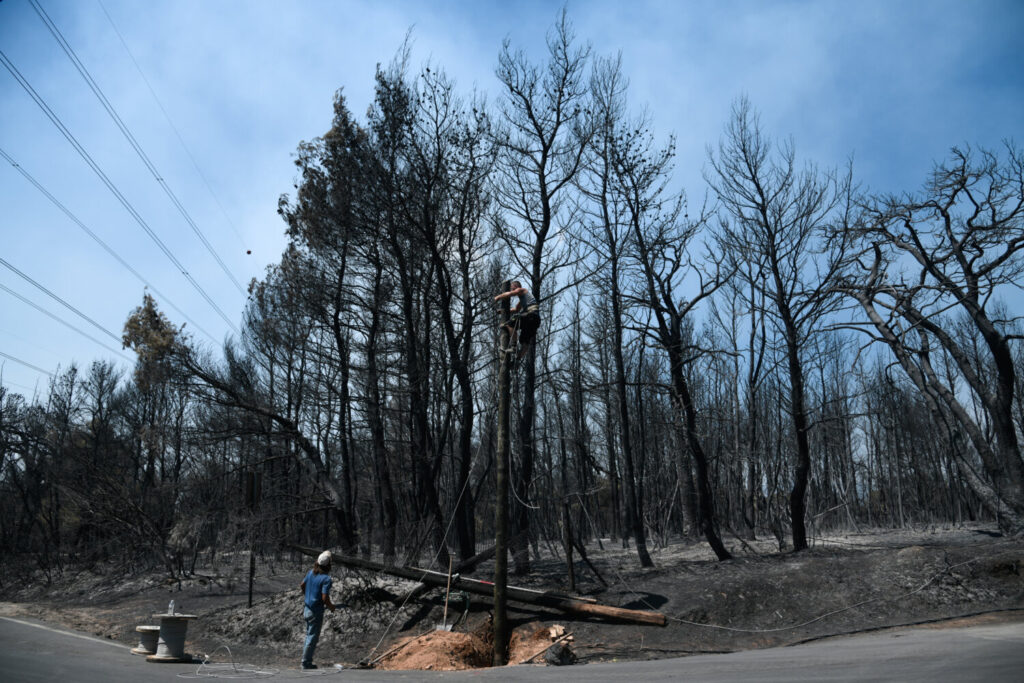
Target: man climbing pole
(525, 318)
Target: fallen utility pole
(465, 566)
(563, 603)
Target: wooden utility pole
(252, 492)
(501, 634)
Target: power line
(103, 244)
(69, 51)
(23, 82)
(56, 298)
(167, 116)
(32, 342)
(26, 364)
(9, 383)
(62, 321)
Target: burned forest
(726, 380)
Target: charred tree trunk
(798, 412)
(705, 498)
(634, 501)
(385, 494)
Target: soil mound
(450, 651)
(438, 651)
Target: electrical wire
(63, 322)
(513, 358)
(23, 82)
(70, 52)
(444, 539)
(32, 342)
(26, 364)
(59, 300)
(99, 241)
(473, 461)
(7, 382)
(790, 627)
(167, 116)
(836, 611)
(501, 351)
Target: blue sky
(892, 84)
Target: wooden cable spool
(148, 637)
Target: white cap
(325, 559)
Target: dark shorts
(528, 325)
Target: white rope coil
(233, 670)
(229, 669)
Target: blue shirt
(317, 586)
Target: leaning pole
(501, 635)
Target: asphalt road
(33, 652)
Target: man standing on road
(316, 588)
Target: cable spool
(148, 637)
(171, 643)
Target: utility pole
(252, 493)
(501, 634)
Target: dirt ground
(846, 583)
